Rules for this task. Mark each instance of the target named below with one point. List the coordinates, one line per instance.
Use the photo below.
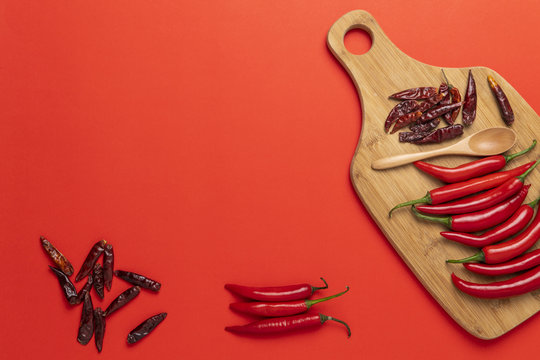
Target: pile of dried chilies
(100, 277)
(284, 307)
(477, 199)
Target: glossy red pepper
(512, 226)
(284, 324)
(481, 201)
(523, 262)
(461, 189)
(471, 169)
(504, 251)
(518, 285)
(275, 293)
(275, 309)
(480, 220)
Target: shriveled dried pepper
(438, 111)
(86, 326)
(139, 280)
(415, 93)
(85, 289)
(399, 110)
(108, 266)
(122, 300)
(67, 286)
(406, 120)
(57, 257)
(450, 118)
(99, 285)
(426, 127)
(431, 102)
(411, 136)
(93, 256)
(469, 104)
(99, 328)
(442, 134)
(145, 328)
(502, 101)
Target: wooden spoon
(485, 142)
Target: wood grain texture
(384, 70)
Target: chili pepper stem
(534, 202)
(479, 256)
(524, 175)
(310, 303)
(446, 220)
(325, 318)
(425, 199)
(315, 288)
(446, 79)
(507, 158)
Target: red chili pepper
(442, 134)
(431, 102)
(438, 111)
(276, 293)
(471, 169)
(481, 201)
(469, 104)
(518, 285)
(274, 309)
(450, 118)
(406, 120)
(501, 252)
(461, 189)
(504, 105)
(399, 110)
(512, 226)
(480, 220)
(282, 324)
(524, 262)
(415, 93)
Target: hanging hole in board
(357, 41)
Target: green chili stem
(426, 199)
(524, 175)
(446, 220)
(533, 203)
(314, 288)
(324, 318)
(512, 156)
(310, 303)
(479, 256)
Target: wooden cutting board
(382, 71)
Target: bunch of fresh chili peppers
(484, 209)
(284, 308)
(100, 277)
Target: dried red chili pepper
(399, 110)
(122, 300)
(137, 279)
(89, 262)
(480, 201)
(442, 134)
(275, 309)
(426, 127)
(108, 266)
(99, 283)
(518, 285)
(469, 104)
(512, 226)
(411, 136)
(438, 111)
(504, 251)
(283, 324)
(86, 326)
(471, 169)
(430, 103)
(145, 328)
(85, 289)
(57, 257)
(99, 328)
(450, 118)
(275, 293)
(480, 220)
(502, 101)
(461, 189)
(406, 120)
(523, 262)
(67, 286)
(415, 93)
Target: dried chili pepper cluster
(284, 308)
(100, 276)
(477, 199)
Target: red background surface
(210, 143)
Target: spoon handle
(398, 160)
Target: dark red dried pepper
(415, 93)
(523, 262)
(89, 262)
(137, 279)
(399, 110)
(480, 220)
(99, 328)
(67, 286)
(502, 101)
(283, 324)
(411, 136)
(406, 120)
(108, 266)
(85, 289)
(438, 111)
(275, 309)
(471, 169)
(442, 134)
(469, 104)
(86, 325)
(275, 293)
(99, 283)
(122, 300)
(450, 118)
(430, 103)
(145, 328)
(426, 127)
(57, 257)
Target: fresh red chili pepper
(276, 293)
(523, 262)
(518, 285)
(406, 120)
(471, 169)
(504, 251)
(480, 201)
(274, 309)
(399, 110)
(90, 261)
(438, 111)
(469, 104)
(480, 220)
(282, 324)
(512, 226)
(442, 134)
(504, 105)
(461, 189)
(415, 93)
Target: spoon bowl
(487, 142)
